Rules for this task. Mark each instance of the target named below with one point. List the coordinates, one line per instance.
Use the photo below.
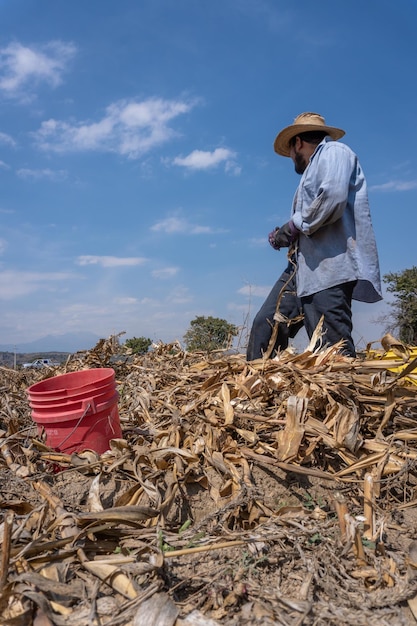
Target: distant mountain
(68, 342)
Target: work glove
(283, 237)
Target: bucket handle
(101, 407)
(90, 407)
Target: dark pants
(334, 303)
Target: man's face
(300, 161)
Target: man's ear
(298, 143)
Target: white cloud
(254, 290)
(7, 139)
(110, 261)
(177, 224)
(164, 315)
(232, 168)
(149, 302)
(4, 165)
(395, 185)
(257, 241)
(129, 128)
(86, 313)
(14, 284)
(203, 160)
(54, 175)
(238, 308)
(125, 301)
(165, 272)
(180, 295)
(3, 246)
(22, 67)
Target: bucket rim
(70, 401)
(93, 376)
(67, 416)
(72, 397)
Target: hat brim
(282, 141)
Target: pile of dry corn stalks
(270, 492)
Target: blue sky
(138, 181)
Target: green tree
(138, 345)
(209, 333)
(404, 307)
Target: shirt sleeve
(327, 182)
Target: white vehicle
(38, 363)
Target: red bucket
(73, 384)
(77, 410)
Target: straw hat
(304, 123)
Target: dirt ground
(196, 516)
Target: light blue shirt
(331, 210)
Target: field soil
(274, 493)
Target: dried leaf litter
(270, 492)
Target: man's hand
(271, 238)
(283, 237)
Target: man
(332, 251)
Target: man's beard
(300, 163)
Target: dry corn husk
(214, 493)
